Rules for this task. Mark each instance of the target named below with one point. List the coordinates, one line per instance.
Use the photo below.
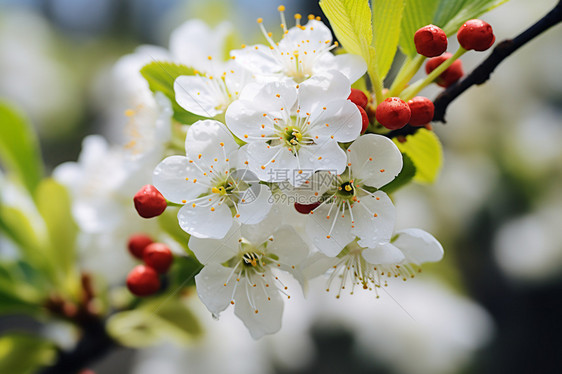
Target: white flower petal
(267, 320)
(375, 160)
(260, 60)
(323, 88)
(199, 95)
(203, 222)
(270, 164)
(384, 254)
(315, 34)
(193, 42)
(209, 142)
(352, 66)
(237, 77)
(418, 246)
(216, 251)
(374, 216)
(340, 121)
(288, 246)
(260, 232)
(246, 122)
(327, 156)
(329, 239)
(169, 177)
(210, 284)
(254, 204)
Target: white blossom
(208, 184)
(353, 207)
(291, 129)
(303, 52)
(243, 269)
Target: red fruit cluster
(476, 34)
(430, 41)
(452, 74)
(359, 98)
(143, 280)
(393, 113)
(149, 202)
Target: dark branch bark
(482, 73)
(94, 344)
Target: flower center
(293, 136)
(346, 190)
(224, 188)
(299, 55)
(251, 259)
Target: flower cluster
(280, 182)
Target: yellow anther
(311, 16)
(209, 57)
(281, 8)
(260, 20)
(129, 112)
(298, 16)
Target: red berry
(452, 74)
(476, 34)
(430, 41)
(422, 111)
(143, 281)
(137, 244)
(358, 97)
(158, 256)
(393, 113)
(364, 119)
(149, 202)
(306, 208)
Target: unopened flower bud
(149, 202)
(158, 256)
(430, 41)
(422, 111)
(137, 243)
(364, 119)
(476, 34)
(393, 113)
(452, 74)
(306, 208)
(143, 281)
(358, 97)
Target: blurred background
(493, 305)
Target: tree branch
(94, 344)
(482, 72)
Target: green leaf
(17, 226)
(25, 354)
(451, 14)
(416, 14)
(20, 288)
(19, 148)
(160, 76)
(406, 174)
(54, 204)
(387, 15)
(424, 148)
(351, 22)
(154, 322)
(184, 270)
